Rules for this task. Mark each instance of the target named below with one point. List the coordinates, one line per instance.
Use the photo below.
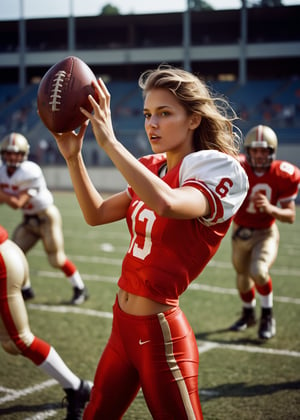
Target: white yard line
(12, 394)
(280, 271)
(193, 286)
(203, 346)
(68, 309)
(42, 415)
(228, 291)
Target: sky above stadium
(11, 9)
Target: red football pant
(158, 353)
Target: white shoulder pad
(30, 175)
(220, 177)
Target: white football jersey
(28, 177)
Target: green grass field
(240, 377)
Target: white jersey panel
(221, 176)
(28, 177)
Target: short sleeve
(290, 181)
(220, 177)
(31, 177)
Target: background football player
(15, 333)
(23, 186)
(255, 237)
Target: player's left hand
(262, 203)
(70, 143)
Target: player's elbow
(14, 205)
(91, 221)
(288, 218)
(291, 216)
(163, 208)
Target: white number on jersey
(262, 188)
(148, 217)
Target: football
(62, 91)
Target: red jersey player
(255, 234)
(16, 337)
(178, 205)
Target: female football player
(179, 204)
(15, 333)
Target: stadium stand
(270, 94)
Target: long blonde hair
(216, 130)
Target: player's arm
(182, 203)
(186, 202)
(15, 202)
(95, 208)
(286, 213)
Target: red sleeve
(289, 177)
(3, 234)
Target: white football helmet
(17, 143)
(261, 136)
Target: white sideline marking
(42, 415)
(280, 271)
(107, 247)
(228, 291)
(86, 258)
(12, 394)
(92, 277)
(70, 309)
(193, 286)
(203, 345)
(209, 393)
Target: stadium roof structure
(255, 43)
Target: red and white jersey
(28, 177)
(280, 183)
(166, 254)
(3, 234)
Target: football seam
(56, 90)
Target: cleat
(245, 321)
(75, 400)
(28, 293)
(267, 327)
(79, 296)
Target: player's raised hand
(100, 117)
(70, 143)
